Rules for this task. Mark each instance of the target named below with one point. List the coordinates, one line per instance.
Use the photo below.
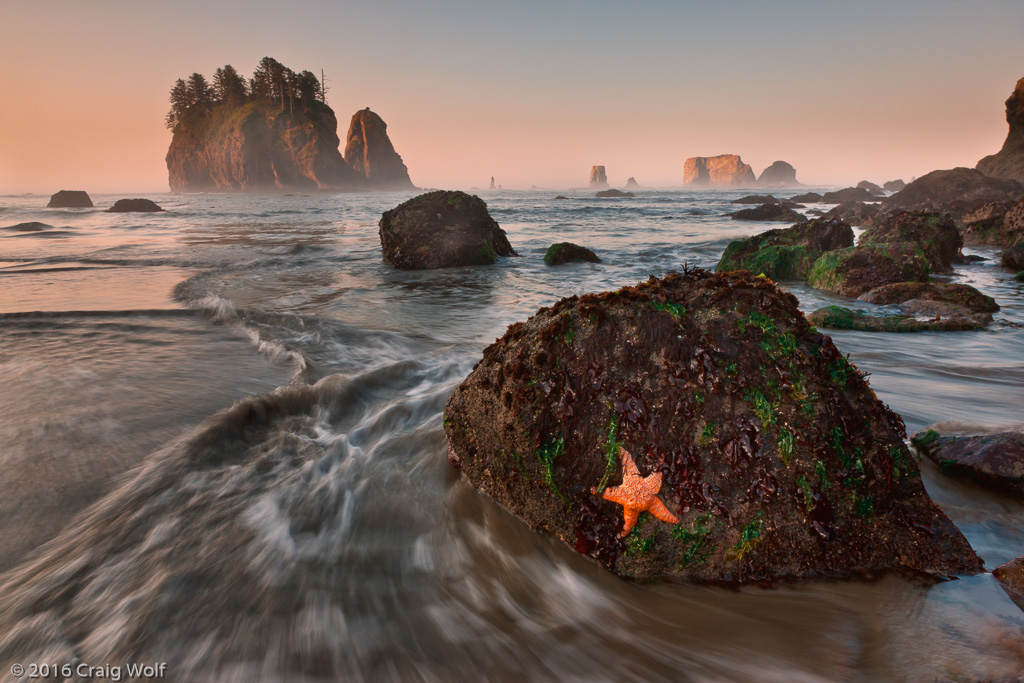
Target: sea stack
(369, 151)
(598, 179)
(724, 170)
(1009, 161)
(779, 174)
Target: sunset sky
(532, 92)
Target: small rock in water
(769, 212)
(995, 461)
(744, 424)
(614, 193)
(134, 205)
(1011, 577)
(70, 199)
(567, 252)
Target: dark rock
(791, 205)
(894, 186)
(725, 170)
(808, 198)
(492, 186)
(786, 253)
(134, 205)
(956, 192)
(756, 199)
(1019, 277)
(974, 258)
(935, 234)
(840, 318)
(368, 150)
(768, 212)
(854, 213)
(70, 199)
(849, 194)
(779, 174)
(257, 147)
(598, 178)
(614, 193)
(984, 225)
(932, 298)
(31, 226)
(764, 442)
(561, 196)
(995, 461)
(1014, 257)
(567, 252)
(1012, 230)
(442, 229)
(870, 187)
(1009, 161)
(1011, 577)
(856, 270)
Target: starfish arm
(629, 516)
(628, 466)
(658, 509)
(616, 495)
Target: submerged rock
(614, 193)
(995, 461)
(933, 298)
(769, 212)
(1008, 162)
(750, 429)
(30, 226)
(134, 205)
(956, 192)
(70, 199)
(779, 174)
(935, 234)
(855, 270)
(786, 253)
(442, 229)
(567, 252)
(842, 318)
(848, 194)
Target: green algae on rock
(933, 233)
(775, 455)
(856, 270)
(442, 229)
(769, 212)
(786, 253)
(567, 252)
(841, 318)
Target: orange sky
(533, 93)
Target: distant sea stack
(779, 174)
(369, 151)
(598, 179)
(271, 132)
(632, 184)
(725, 170)
(1009, 161)
(70, 199)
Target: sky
(532, 92)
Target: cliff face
(255, 147)
(1009, 161)
(369, 151)
(725, 170)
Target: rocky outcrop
(870, 187)
(756, 199)
(1011, 231)
(695, 427)
(933, 298)
(933, 233)
(1009, 161)
(614, 193)
(807, 198)
(779, 174)
(894, 185)
(726, 170)
(848, 194)
(786, 253)
(442, 229)
(598, 178)
(136, 205)
(854, 213)
(368, 150)
(769, 212)
(1014, 257)
(258, 146)
(567, 252)
(995, 461)
(984, 224)
(632, 184)
(1011, 577)
(842, 318)
(956, 192)
(70, 199)
(856, 270)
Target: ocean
(221, 450)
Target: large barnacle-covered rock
(706, 399)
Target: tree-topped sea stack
(442, 229)
(706, 399)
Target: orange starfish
(636, 494)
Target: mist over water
(222, 449)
